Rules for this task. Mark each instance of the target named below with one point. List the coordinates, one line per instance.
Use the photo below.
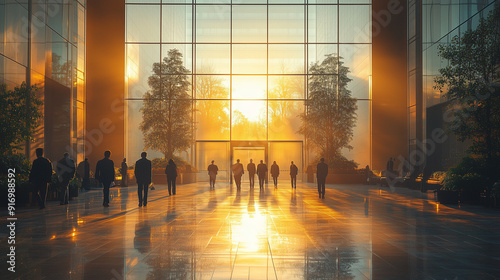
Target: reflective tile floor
(356, 232)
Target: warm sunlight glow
(248, 232)
(253, 111)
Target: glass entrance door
(247, 153)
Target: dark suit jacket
(212, 169)
(275, 170)
(294, 170)
(83, 169)
(124, 168)
(238, 169)
(171, 171)
(143, 171)
(251, 168)
(261, 169)
(322, 170)
(105, 170)
(41, 171)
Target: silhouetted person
(261, 172)
(294, 170)
(238, 172)
(124, 173)
(83, 171)
(275, 173)
(143, 175)
(40, 176)
(65, 171)
(105, 174)
(171, 171)
(251, 173)
(212, 173)
(368, 174)
(390, 167)
(322, 171)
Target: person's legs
(251, 178)
(173, 185)
(139, 193)
(105, 191)
(275, 181)
(319, 187)
(63, 194)
(42, 188)
(145, 197)
(169, 181)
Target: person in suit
(238, 172)
(251, 173)
(124, 173)
(275, 173)
(83, 171)
(143, 175)
(261, 173)
(171, 171)
(105, 174)
(294, 170)
(322, 171)
(212, 173)
(40, 176)
(65, 170)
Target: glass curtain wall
(47, 48)
(249, 64)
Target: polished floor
(356, 232)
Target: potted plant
(74, 186)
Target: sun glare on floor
(249, 233)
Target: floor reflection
(356, 232)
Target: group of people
(41, 175)
(261, 171)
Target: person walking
(105, 174)
(238, 172)
(294, 170)
(143, 175)
(321, 172)
(123, 172)
(83, 171)
(275, 173)
(212, 173)
(65, 170)
(40, 176)
(171, 171)
(251, 173)
(261, 173)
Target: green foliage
(167, 122)
(467, 176)
(19, 118)
(331, 111)
(471, 82)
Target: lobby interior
(358, 231)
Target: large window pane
(249, 120)
(143, 23)
(284, 153)
(286, 87)
(284, 120)
(213, 23)
(249, 24)
(361, 136)
(212, 120)
(38, 45)
(58, 16)
(16, 35)
(212, 86)
(286, 59)
(317, 52)
(213, 56)
(219, 152)
(177, 23)
(249, 59)
(185, 49)
(286, 24)
(358, 59)
(355, 23)
(249, 87)
(140, 59)
(322, 24)
(57, 49)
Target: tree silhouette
(282, 111)
(331, 111)
(167, 111)
(471, 81)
